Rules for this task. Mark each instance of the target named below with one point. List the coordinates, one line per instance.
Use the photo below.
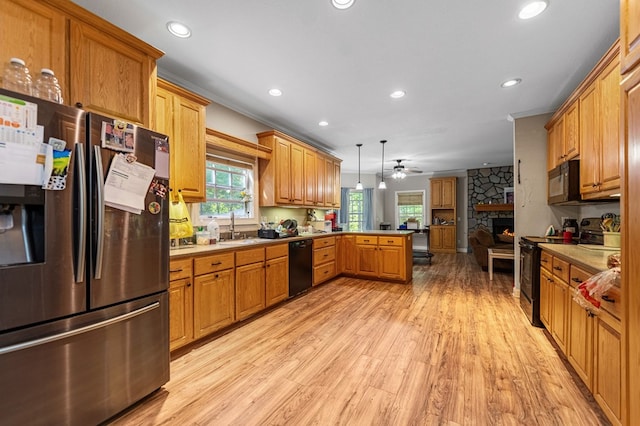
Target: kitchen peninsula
(215, 286)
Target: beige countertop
(590, 259)
(229, 245)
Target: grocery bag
(179, 221)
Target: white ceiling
(341, 65)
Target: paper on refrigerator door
(127, 184)
(25, 164)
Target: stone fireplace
(499, 224)
(486, 186)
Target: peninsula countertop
(590, 258)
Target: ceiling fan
(400, 171)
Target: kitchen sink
(239, 242)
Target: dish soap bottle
(214, 231)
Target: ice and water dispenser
(21, 224)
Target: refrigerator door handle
(71, 333)
(81, 172)
(97, 150)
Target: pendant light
(382, 184)
(359, 185)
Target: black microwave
(564, 183)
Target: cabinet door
(630, 33)
(297, 174)
(180, 313)
(559, 313)
(336, 184)
(449, 238)
(37, 34)
(310, 178)
(110, 77)
(348, 254)
(546, 297)
(607, 379)
(277, 280)
(329, 197)
(367, 263)
(188, 149)
(580, 341)
(435, 236)
(609, 89)
(250, 290)
(589, 146)
(214, 304)
(391, 262)
(449, 193)
(320, 178)
(571, 132)
(436, 193)
(283, 171)
(551, 151)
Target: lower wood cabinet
(214, 293)
(347, 255)
(324, 259)
(277, 274)
(591, 341)
(180, 302)
(443, 239)
(250, 282)
(386, 257)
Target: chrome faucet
(232, 226)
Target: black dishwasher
(300, 266)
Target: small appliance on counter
(268, 233)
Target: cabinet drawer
(277, 251)
(324, 242)
(546, 260)
(217, 262)
(610, 301)
(324, 272)
(561, 269)
(390, 241)
(180, 268)
(578, 276)
(366, 239)
(246, 257)
(323, 255)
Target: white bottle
(47, 87)
(214, 231)
(16, 77)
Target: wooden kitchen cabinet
(181, 115)
(580, 331)
(296, 174)
(384, 257)
(443, 193)
(607, 371)
(180, 303)
(324, 259)
(563, 137)
(214, 295)
(276, 274)
(546, 295)
(392, 259)
(629, 34)
(348, 255)
(555, 143)
(442, 238)
(367, 259)
(250, 282)
(98, 65)
(560, 301)
(600, 162)
(45, 47)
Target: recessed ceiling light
(398, 94)
(532, 9)
(511, 83)
(323, 123)
(178, 29)
(485, 163)
(342, 4)
(275, 92)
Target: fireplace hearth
(500, 224)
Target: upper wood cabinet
(443, 193)
(181, 115)
(297, 174)
(98, 65)
(564, 143)
(442, 239)
(629, 34)
(600, 163)
(45, 46)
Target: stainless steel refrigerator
(84, 323)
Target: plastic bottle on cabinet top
(47, 87)
(16, 77)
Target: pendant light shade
(382, 184)
(359, 185)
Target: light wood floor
(452, 348)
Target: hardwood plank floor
(451, 348)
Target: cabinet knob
(577, 280)
(216, 263)
(175, 270)
(557, 268)
(188, 284)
